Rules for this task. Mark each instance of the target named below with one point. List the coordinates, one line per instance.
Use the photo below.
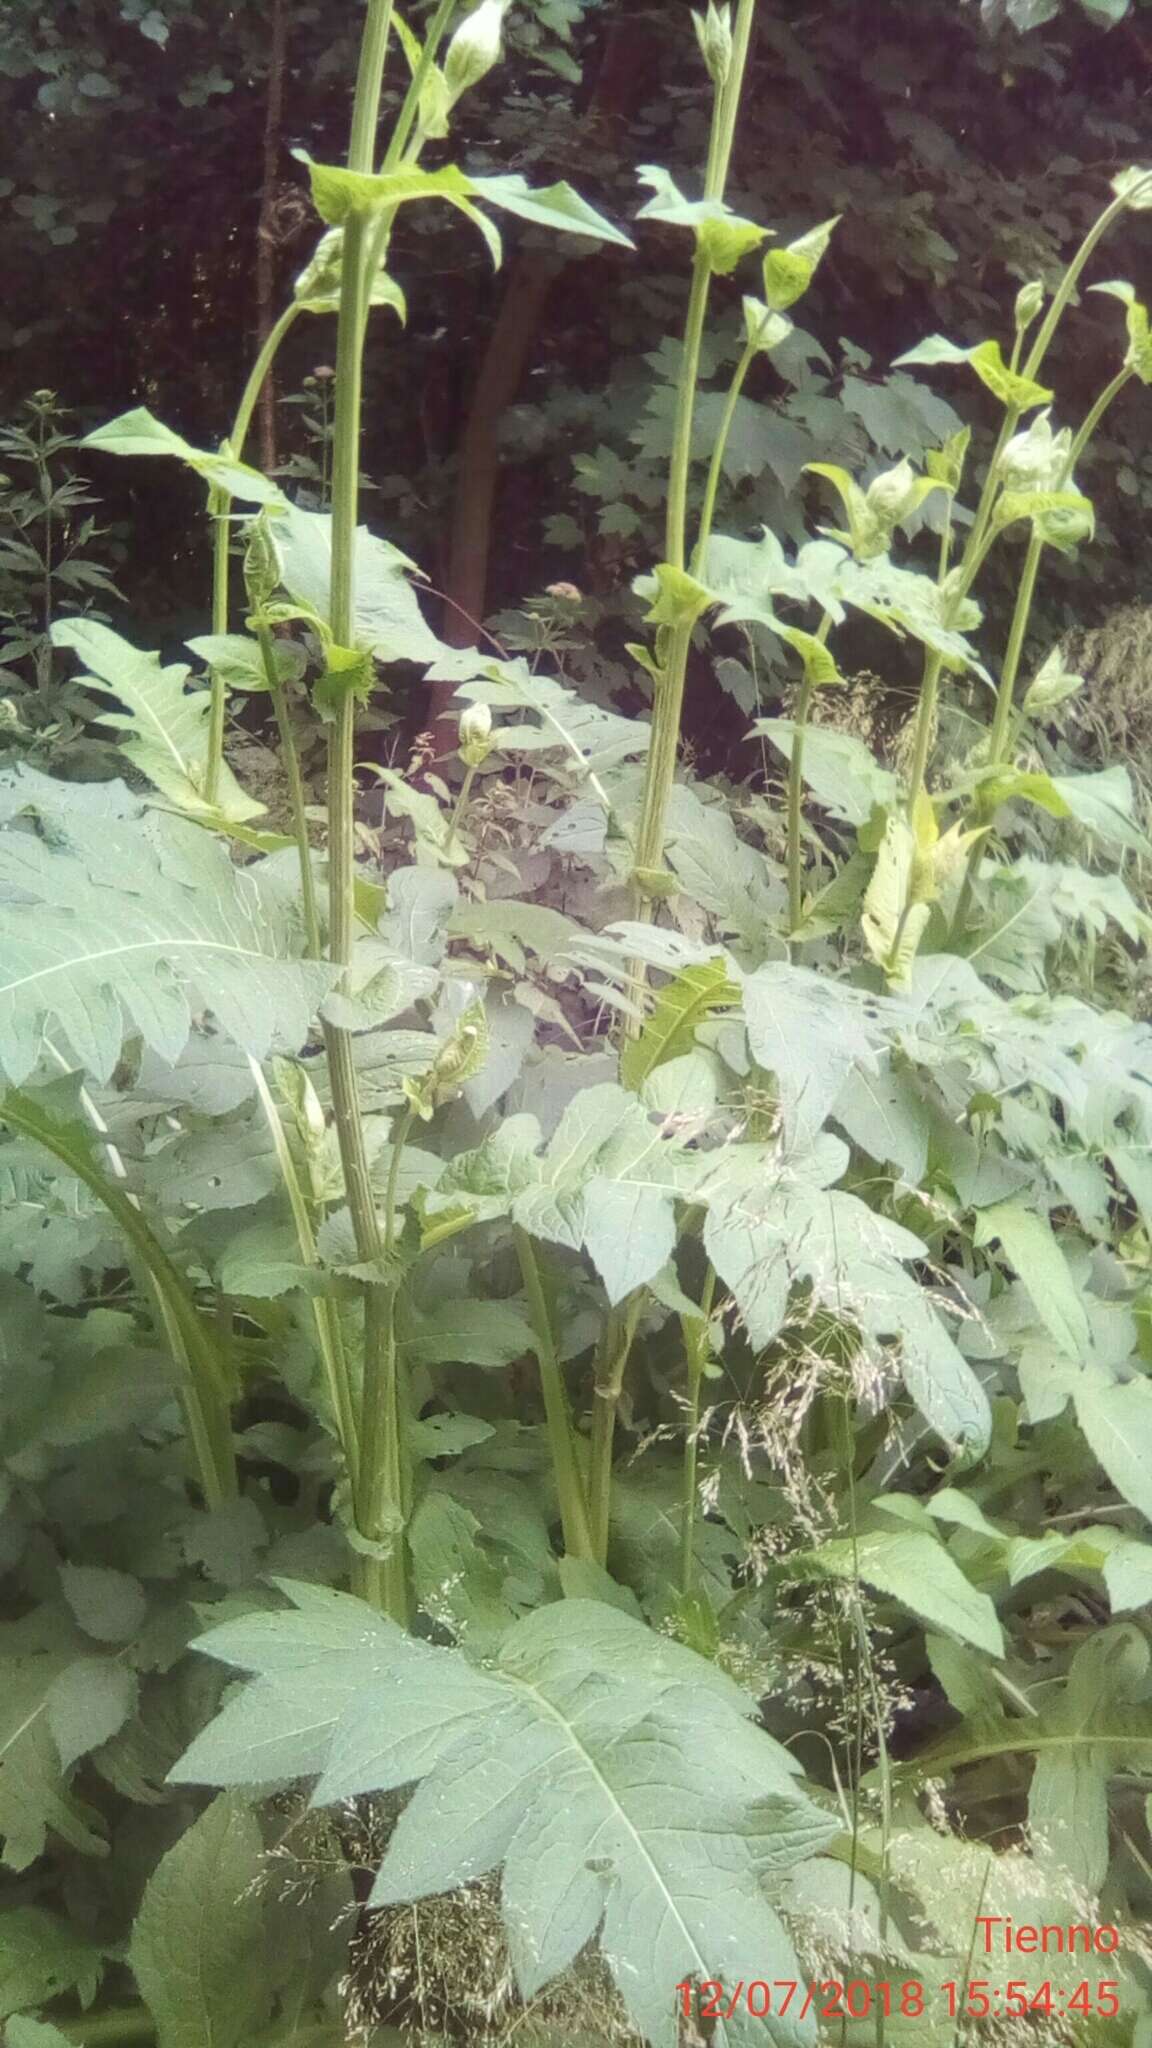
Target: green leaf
(608, 1182)
(936, 349)
(33, 1797)
(549, 206)
(42, 1958)
(723, 236)
(1127, 1572)
(108, 1605)
(1061, 519)
(1104, 804)
(892, 924)
(1011, 389)
(774, 1227)
(118, 926)
(1116, 1418)
(843, 774)
(788, 272)
(26, 2033)
(811, 1033)
(610, 1771)
(139, 433)
(1030, 1245)
(911, 1567)
(89, 1701)
(681, 1005)
(820, 668)
(1068, 1800)
(1051, 685)
(340, 195)
(318, 285)
(196, 1943)
(166, 725)
(388, 622)
(678, 600)
(491, 1334)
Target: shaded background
(153, 218)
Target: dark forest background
(153, 218)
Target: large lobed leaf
(165, 725)
(109, 927)
(614, 1776)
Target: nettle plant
(670, 1387)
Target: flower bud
(1036, 459)
(892, 494)
(475, 732)
(714, 35)
(475, 48)
(475, 724)
(1029, 300)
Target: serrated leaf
(1021, 393)
(388, 621)
(41, 1958)
(843, 774)
(109, 1605)
(111, 927)
(89, 1701)
(775, 1227)
(1116, 1418)
(912, 1567)
(611, 1772)
(811, 1033)
(1068, 1799)
(165, 725)
(681, 1006)
(196, 1943)
(1029, 1242)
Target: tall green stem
(380, 1422)
(668, 701)
(574, 1516)
(291, 760)
(329, 1335)
(800, 720)
(716, 466)
(697, 1347)
(407, 117)
(1025, 595)
(608, 1383)
(220, 510)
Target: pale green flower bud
(892, 495)
(1029, 300)
(475, 48)
(1036, 459)
(476, 740)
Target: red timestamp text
(861, 1998)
